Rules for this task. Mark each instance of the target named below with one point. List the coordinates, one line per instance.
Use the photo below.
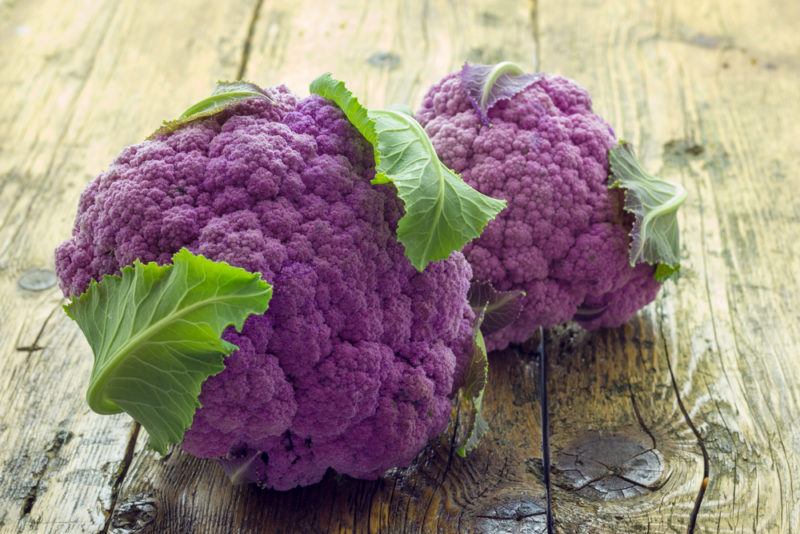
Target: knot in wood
(134, 515)
(610, 466)
(384, 60)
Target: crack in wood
(534, 14)
(615, 471)
(122, 472)
(542, 351)
(61, 438)
(640, 419)
(450, 455)
(516, 517)
(700, 442)
(34, 346)
(248, 40)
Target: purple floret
(563, 238)
(354, 364)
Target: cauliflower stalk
(255, 194)
(581, 238)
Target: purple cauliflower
(355, 362)
(564, 238)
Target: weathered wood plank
(76, 88)
(388, 52)
(706, 90)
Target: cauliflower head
(564, 238)
(354, 364)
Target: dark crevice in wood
(537, 57)
(122, 472)
(516, 517)
(758, 502)
(700, 442)
(332, 511)
(542, 352)
(34, 346)
(640, 419)
(459, 528)
(248, 40)
(373, 489)
(30, 349)
(615, 473)
(582, 486)
(450, 453)
(61, 438)
(734, 448)
(390, 501)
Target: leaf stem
(504, 67)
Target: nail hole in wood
(37, 279)
(384, 60)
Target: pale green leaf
(155, 334)
(225, 94)
(654, 202)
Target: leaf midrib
(504, 67)
(132, 343)
(432, 162)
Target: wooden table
(687, 418)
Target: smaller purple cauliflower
(354, 364)
(564, 239)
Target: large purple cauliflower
(564, 238)
(354, 364)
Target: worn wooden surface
(687, 418)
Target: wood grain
(79, 80)
(705, 382)
(708, 91)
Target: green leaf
(225, 94)
(654, 202)
(470, 396)
(442, 212)
(664, 272)
(155, 334)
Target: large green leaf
(155, 333)
(654, 202)
(442, 212)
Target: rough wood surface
(685, 418)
